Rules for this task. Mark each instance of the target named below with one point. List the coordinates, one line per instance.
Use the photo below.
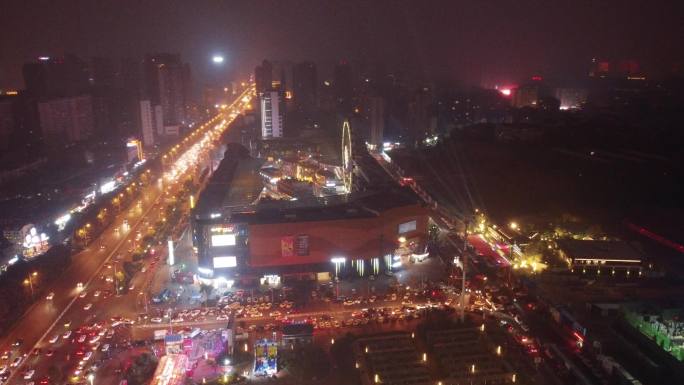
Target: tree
(305, 362)
(206, 290)
(141, 370)
(55, 374)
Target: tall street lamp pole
(29, 280)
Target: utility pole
(464, 261)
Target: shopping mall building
(241, 236)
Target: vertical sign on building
(287, 246)
(172, 259)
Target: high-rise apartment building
(377, 121)
(165, 86)
(305, 86)
(55, 77)
(263, 77)
(271, 115)
(147, 123)
(343, 87)
(66, 120)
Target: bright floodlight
(218, 59)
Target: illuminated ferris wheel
(347, 162)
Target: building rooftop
(235, 186)
(575, 248)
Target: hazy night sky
(474, 40)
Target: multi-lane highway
(81, 296)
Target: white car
(3, 369)
(88, 306)
(54, 338)
(29, 374)
(105, 347)
(82, 339)
(96, 294)
(94, 339)
(67, 334)
(17, 361)
(87, 356)
(83, 294)
(50, 296)
(156, 320)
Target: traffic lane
(131, 214)
(89, 263)
(35, 324)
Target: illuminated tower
(347, 162)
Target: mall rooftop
(235, 188)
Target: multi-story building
(55, 77)
(66, 120)
(240, 237)
(376, 112)
(343, 87)
(305, 87)
(263, 77)
(271, 115)
(165, 86)
(147, 123)
(6, 121)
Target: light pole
(29, 281)
(463, 268)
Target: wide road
(47, 317)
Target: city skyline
(464, 41)
(341, 192)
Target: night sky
(478, 41)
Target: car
(44, 381)
(17, 342)
(222, 317)
(49, 353)
(67, 324)
(97, 293)
(3, 369)
(82, 338)
(83, 294)
(132, 286)
(94, 339)
(6, 355)
(108, 265)
(110, 334)
(36, 352)
(88, 306)
(102, 247)
(17, 361)
(67, 334)
(105, 347)
(144, 269)
(50, 296)
(79, 286)
(29, 374)
(156, 320)
(95, 346)
(54, 339)
(87, 356)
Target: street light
(513, 226)
(29, 281)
